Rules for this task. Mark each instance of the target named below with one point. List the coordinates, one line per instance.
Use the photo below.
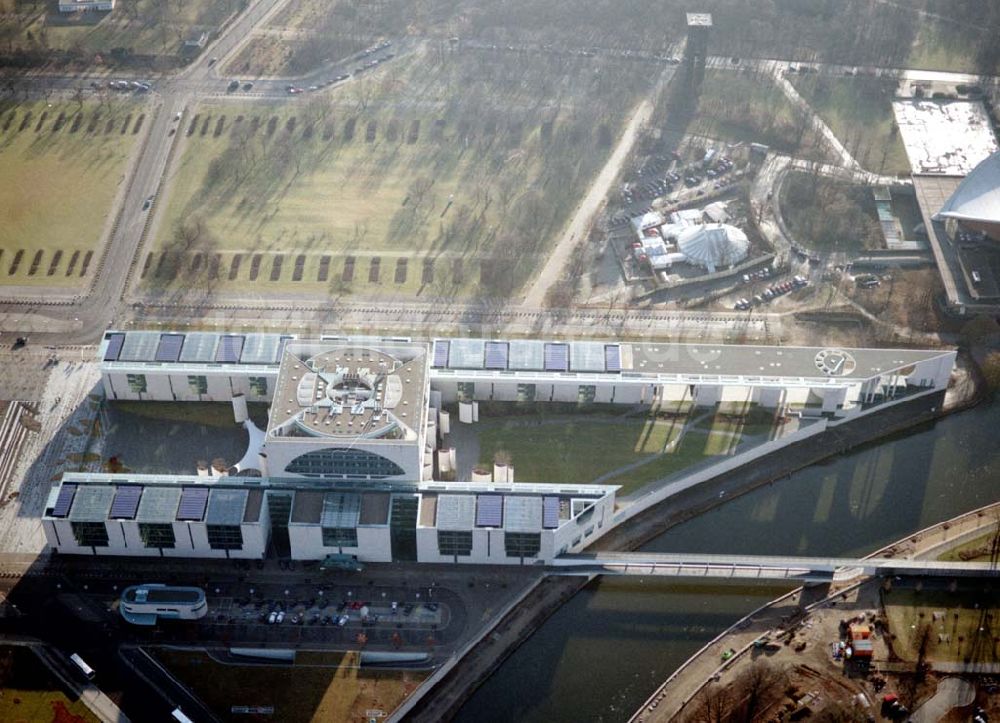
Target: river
(604, 652)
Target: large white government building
(349, 460)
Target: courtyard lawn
(978, 547)
(858, 110)
(146, 27)
(300, 694)
(582, 450)
(564, 451)
(61, 166)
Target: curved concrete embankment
(685, 683)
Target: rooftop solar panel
(496, 355)
(556, 357)
(489, 510)
(456, 512)
(192, 505)
(200, 347)
(140, 346)
(522, 514)
(126, 502)
(114, 347)
(550, 513)
(526, 355)
(64, 501)
(441, 353)
(612, 358)
(225, 507)
(169, 349)
(230, 348)
(587, 356)
(92, 503)
(466, 354)
(260, 349)
(158, 504)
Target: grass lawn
(30, 693)
(859, 112)
(959, 626)
(433, 177)
(944, 46)
(736, 106)
(978, 547)
(58, 181)
(298, 693)
(153, 27)
(581, 450)
(568, 451)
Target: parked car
(342, 621)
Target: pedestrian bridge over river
(748, 568)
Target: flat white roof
(948, 137)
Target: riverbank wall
(441, 696)
(684, 684)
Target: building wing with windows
(236, 517)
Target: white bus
(82, 665)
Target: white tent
(713, 245)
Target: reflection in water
(604, 652)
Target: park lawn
(742, 107)
(980, 544)
(57, 187)
(955, 636)
(298, 693)
(30, 692)
(42, 705)
(564, 452)
(858, 110)
(153, 27)
(943, 46)
(351, 198)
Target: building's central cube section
(348, 411)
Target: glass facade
(225, 537)
(587, 393)
(198, 384)
(522, 544)
(334, 462)
(525, 392)
(466, 391)
(258, 386)
(90, 534)
(340, 537)
(157, 535)
(403, 528)
(136, 383)
(455, 543)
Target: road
(579, 225)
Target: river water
(601, 655)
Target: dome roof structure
(976, 201)
(713, 245)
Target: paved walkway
(951, 693)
